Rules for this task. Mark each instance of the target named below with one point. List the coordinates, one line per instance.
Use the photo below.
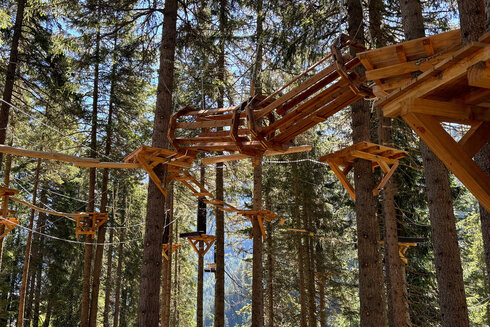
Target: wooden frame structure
(9, 223)
(87, 223)
(259, 216)
(150, 157)
(208, 241)
(455, 90)
(381, 156)
(263, 124)
(165, 248)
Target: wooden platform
(455, 90)
(150, 157)
(259, 216)
(165, 249)
(207, 240)
(381, 156)
(271, 123)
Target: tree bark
(27, 257)
(301, 278)
(148, 306)
(310, 271)
(167, 265)
(87, 266)
(120, 257)
(473, 22)
(99, 252)
(447, 259)
(257, 268)
(371, 292)
(11, 72)
(219, 248)
(270, 267)
(398, 314)
(201, 214)
(38, 262)
(108, 283)
(6, 183)
(320, 267)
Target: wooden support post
(343, 179)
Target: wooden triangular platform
(165, 249)
(381, 156)
(455, 90)
(150, 157)
(259, 216)
(208, 241)
(87, 223)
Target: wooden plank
(152, 175)
(385, 178)
(343, 179)
(204, 124)
(479, 75)
(475, 138)
(371, 157)
(45, 155)
(452, 155)
(111, 165)
(446, 109)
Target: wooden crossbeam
(475, 138)
(452, 154)
(258, 216)
(10, 223)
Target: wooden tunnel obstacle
(381, 156)
(261, 123)
(456, 89)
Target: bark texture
(257, 269)
(148, 306)
(371, 294)
(11, 72)
(447, 259)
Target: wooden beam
(45, 155)
(452, 155)
(152, 174)
(479, 75)
(232, 157)
(115, 165)
(385, 178)
(452, 111)
(343, 179)
(475, 138)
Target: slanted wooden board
(380, 156)
(259, 216)
(165, 249)
(455, 90)
(207, 240)
(391, 67)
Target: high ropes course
(426, 81)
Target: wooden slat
(343, 179)
(45, 155)
(204, 124)
(475, 138)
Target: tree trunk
(257, 268)
(310, 271)
(219, 248)
(108, 283)
(398, 314)
(301, 278)
(38, 262)
(27, 257)
(148, 307)
(270, 268)
(11, 72)
(472, 27)
(167, 264)
(176, 285)
(201, 214)
(447, 259)
(371, 292)
(321, 284)
(87, 264)
(124, 308)
(49, 310)
(99, 252)
(120, 257)
(6, 183)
